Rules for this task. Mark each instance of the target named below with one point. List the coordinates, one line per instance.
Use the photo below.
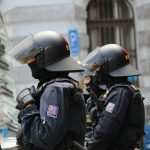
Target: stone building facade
(8, 112)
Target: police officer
(53, 115)
(95, 90)
(121, 123)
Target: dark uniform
(53, 116)
(111, 121)
(121, 123)
(49, 127)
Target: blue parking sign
(74, 41)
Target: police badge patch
(110, 107)
(52, 111)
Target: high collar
(113, 81)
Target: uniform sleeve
(111, 119)
(47, 127)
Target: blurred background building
(8, 113)
(87, 24)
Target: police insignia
(110, 107)
(52, 111)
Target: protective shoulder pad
(132, 87)
(76, 84)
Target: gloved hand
(24, 98)
(19, 136)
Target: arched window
(111, 21)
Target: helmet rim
(70, 66)
(127, 70)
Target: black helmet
(49, 49)
(113, 59)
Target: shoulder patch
(52, 111)
(110, 107)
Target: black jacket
(49, 126)
(111, 121)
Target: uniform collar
(51, 77)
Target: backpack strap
(132, 87)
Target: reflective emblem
(67, 47)
(52, 111)
(110, 107)
(127, 57)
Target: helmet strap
(40, 59)
(103, 73)
(106, 71)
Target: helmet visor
(93, 61)
(26, 50)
